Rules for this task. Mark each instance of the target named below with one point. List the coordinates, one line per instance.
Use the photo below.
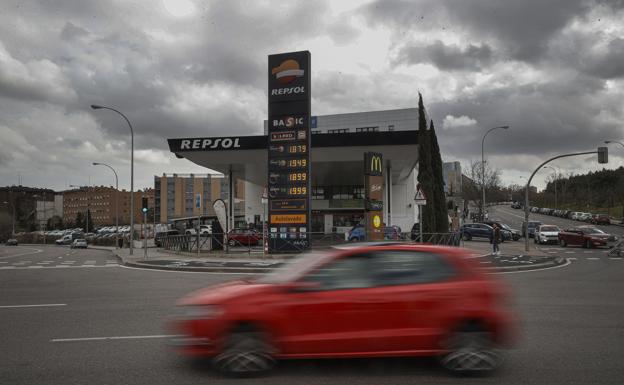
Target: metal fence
(254, 244)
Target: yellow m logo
(375, 164)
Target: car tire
(563, 243)
(471, 350)
(232, 242)
(587, 244)
(466, 237)
(245, 353)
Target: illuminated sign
(373, 163)
(376, 221)
(288, 186)
(288, 218)
(288, 204)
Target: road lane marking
(570, 252)
(593, 258)
(38, 305)
(19, 255)
(572, 258)
(114, 338)
(615, 257)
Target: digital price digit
(297, 163)
(297, 190)
(298, 176)
(298, 149)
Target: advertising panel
(289, 152)
(373, 191)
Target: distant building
(100, 202)
(175, 197)
(452, 173)
(22, 201)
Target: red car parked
(585, 236)
(244, 237)
(393, 300)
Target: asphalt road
(572, 327)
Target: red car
(244, 237)
(393, 300)
(586, 236)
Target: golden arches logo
(376, 164)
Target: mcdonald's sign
(373, 163)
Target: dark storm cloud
(521, 28)
(447, 57)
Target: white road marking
(39, 305)
(18, 255)
(587, 252)
(567, 263)
(114, 338)
(89, 262)
(573, 258)
(3, 262)
(67, 261)
(615, 257)
(570, 252)
(56, 267)
(178, 271)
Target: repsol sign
(209, 144)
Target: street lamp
(555, 181)
(483, 168)
(98, 107)
(13, 219)
(116, 201)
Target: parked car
(476, 230)
(584, 217)
(246, 237)
(516, 205)
(162, 234)
(358, 233)
(586, 236)
(601, 219)
(507, 232)
(11, 242)
(78, 244)
(69, 238)
(546, 234)
(354, 302)
(203, 230)
(532, 226)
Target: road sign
(420, 198)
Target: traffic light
(603, 155)
(144, 205)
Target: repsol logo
(203, 144)
(288, 91)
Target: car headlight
(200, 311)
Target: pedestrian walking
(495, 239)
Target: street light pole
(526, 191)
(483, 169)
(555, 182)
(97, 107)
(116, 201)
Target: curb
(239, 270)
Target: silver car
(547, 234)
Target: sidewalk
(512, 258)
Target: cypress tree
(425, 172)
(438, 198)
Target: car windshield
(504, 226)
(592, 230)
(549, 228)
(294, 268)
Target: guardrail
(254, 244)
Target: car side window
(351, 272)
(398, 267)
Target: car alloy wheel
(471, 350)
(232, 242)
(245, 353)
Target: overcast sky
(551, 69)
